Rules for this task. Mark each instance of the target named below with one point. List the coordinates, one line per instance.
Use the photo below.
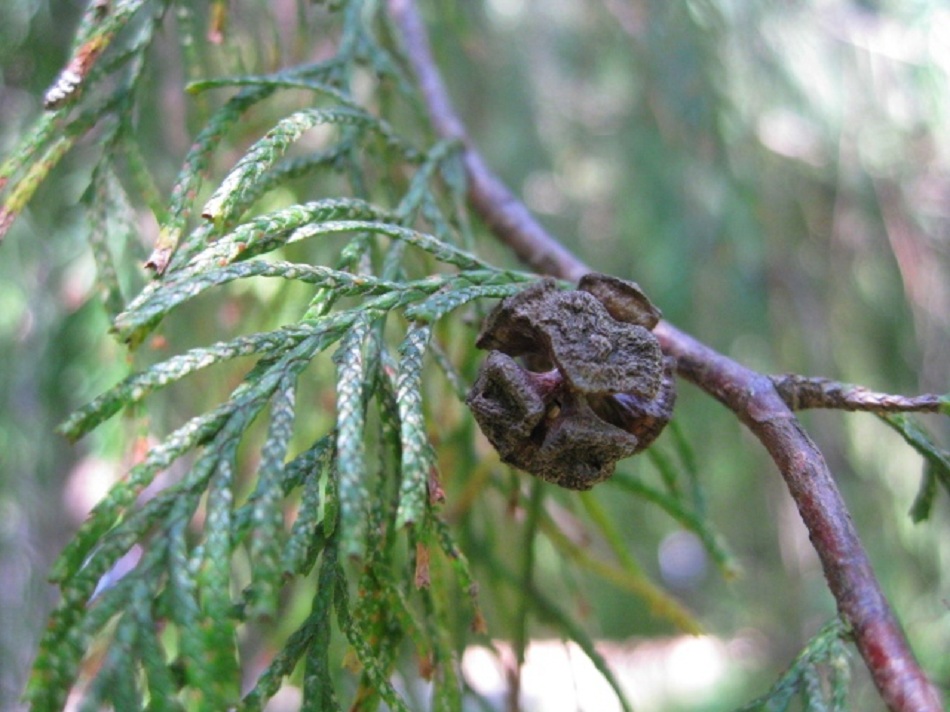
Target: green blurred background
(776, 175)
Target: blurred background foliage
(775, 175)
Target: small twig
(753, 397)
(802, 392)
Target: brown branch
(755, 400)
(753, 397)
(803, 392)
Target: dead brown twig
(763, 404)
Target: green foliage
(936, 463)
(805, 679)
(355, 513)
(318, 522)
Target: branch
(753, 397)
(803, 392)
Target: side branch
(802, 392)
(753, 397)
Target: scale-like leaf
(350, 447)
(937, 459)
(413, 492)
(137, 386)
(318, 690)
(218, 665)
(269, 149)
(441, 303)
(268, 514)
(364, 651)
(193, 172)
(269, 231)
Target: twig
(753, 397)
(803, 392)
